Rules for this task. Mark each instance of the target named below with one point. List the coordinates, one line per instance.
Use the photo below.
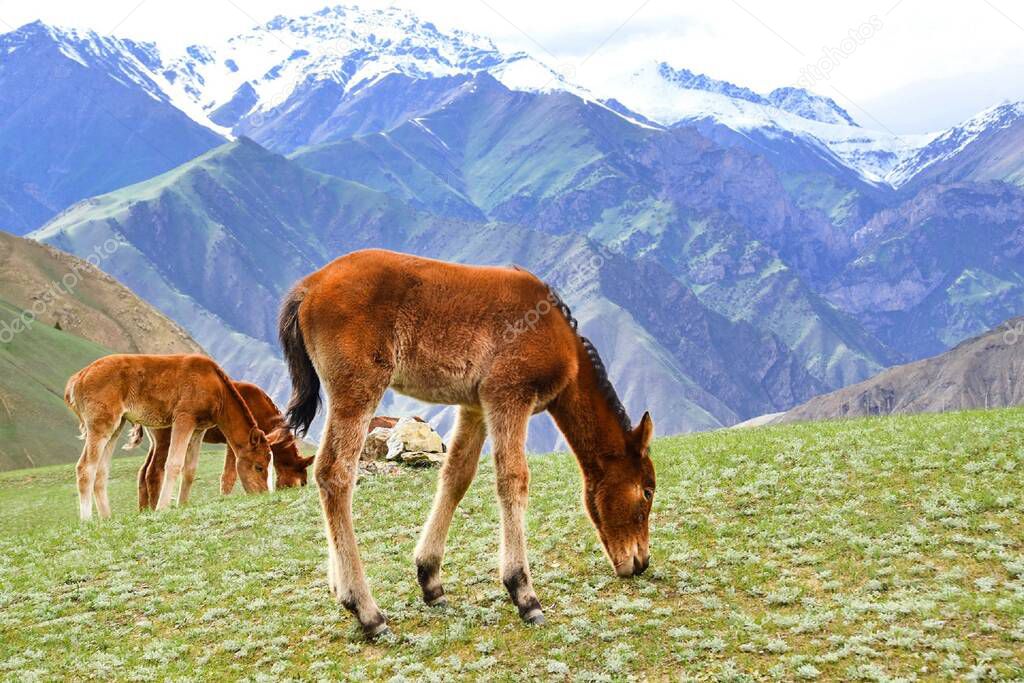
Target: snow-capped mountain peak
(680, 97)
(951, 142)
(798, 101)
(808, 105)
(306, 67)
(688, 80)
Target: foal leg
(103, 473)
(230, 474)
(506, 421)
(181, 435)
(191, 462)
(88, 462)
(144, 497)
(336, 464)
(456, 475)
(161, 440)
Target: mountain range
(731, 253)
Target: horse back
(440, 329)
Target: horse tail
(305, 399)
(134, 438)
(71, 400)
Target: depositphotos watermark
(1013, 333)
(51, 293)
(833, 56)
(580, 273)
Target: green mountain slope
(61, 289)
(718, 219)
(944, 266)
(36, 428)
(216, 242)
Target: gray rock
(376, 445)
(410, 436)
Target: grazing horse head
(253, 461)
(618, 492)
(289, 465)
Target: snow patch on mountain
(678, 96)
(955, 140)
(809, 106)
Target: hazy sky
(910, 65)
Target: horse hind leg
(506, 421)
(456, 475)
(145, 501)
(96, 438)
(161, 441)
(103, 473)
(352, 397)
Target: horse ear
(279, 436)
(644, 432)
(306, 462)
(255, 435)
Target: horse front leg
(456, 475)
(188, 475)
(181, 435)
(229, 475)
(506, 422)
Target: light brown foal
(187, 393)
(498, 343)
(289, 464)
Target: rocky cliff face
(945, 265)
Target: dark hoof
(436, 600)
(531, 612)
(535, 618)
(375, 630)
(427, 575)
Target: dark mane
(605, 384)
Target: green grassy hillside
(36, 428)
(872, 550)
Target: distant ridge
(986, 371)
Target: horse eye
(648, 494)
(259, 468)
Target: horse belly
(445, 386)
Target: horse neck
(235, 421)
(586, 420)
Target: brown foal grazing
(187, 393)
(455, 334)
(289, 465)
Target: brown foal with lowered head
(187, 393)
(289, 465)
(453, 334)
